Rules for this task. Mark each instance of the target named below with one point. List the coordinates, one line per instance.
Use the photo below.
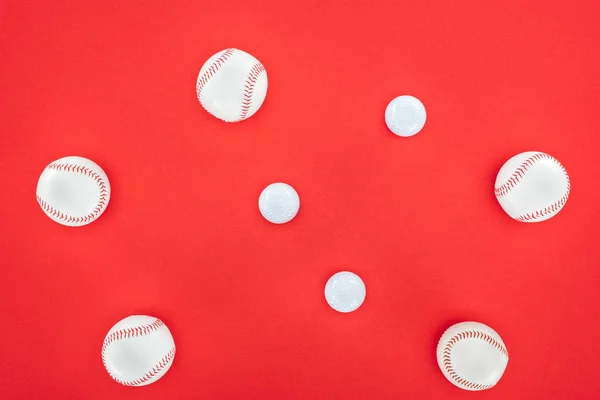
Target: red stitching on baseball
(152, 373)
(554, 207)
(255, 72)
(102, 201)
(468, 335)
(131, 332)
(126, 333)
(519, 173)
(210, 71)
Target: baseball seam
(137, 331)
(251, 80)
(472, 334)
(554, 207)
(134, 331)
(152, 373)
(519, 173)
(210, 71)
(102, 200)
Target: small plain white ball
(279, 203)
(345, 291)
(405, 116)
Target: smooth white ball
(232, 85)
(279, 203)
(405, 116)
(345, 291)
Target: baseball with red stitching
(232, 85)
(472, 356)
(138, 350)
(532, 186)
(73, 191)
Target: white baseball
(138, 350)
(73, 191)
(532, 186)
(232, 85)
(472, 356)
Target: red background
(182, 238)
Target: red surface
(182, 238)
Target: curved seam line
(554, 207)
(251, 80)
(520, 171)
(150, 374)
(210, 71)
(447, 361)
(100, 205)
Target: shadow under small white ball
(472, 356)
(232, 85)
(138, 350)
(532, 186)
(73, 191)
(405, 116)
(345, 292)
(279, 203)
